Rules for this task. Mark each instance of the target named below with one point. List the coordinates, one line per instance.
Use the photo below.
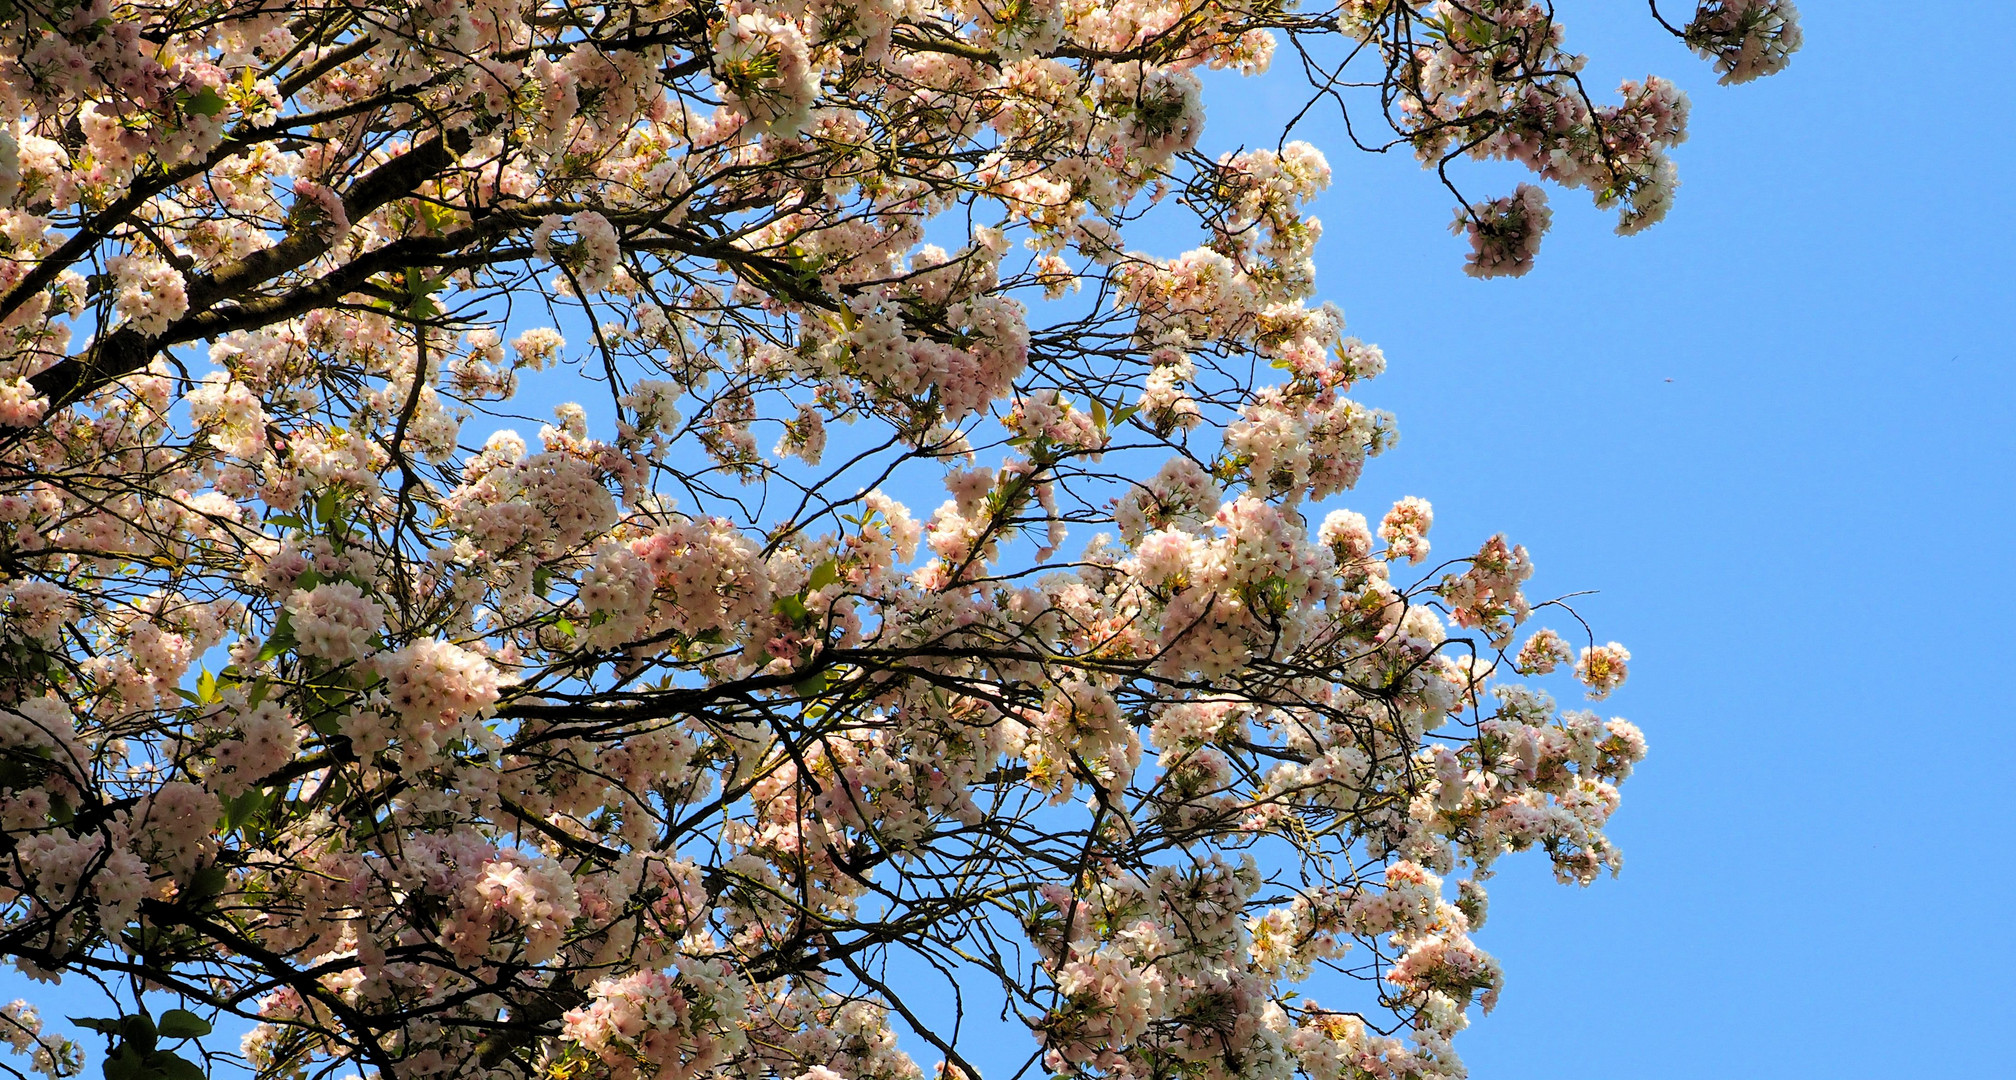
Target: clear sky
(1787, 534)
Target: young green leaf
(183, 1024)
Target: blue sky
(1787, 535)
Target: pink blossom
(334, 621)
(1405, 529)
(1602, 668)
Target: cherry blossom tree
(671, 743)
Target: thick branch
(124, 352)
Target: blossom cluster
(1747, 39)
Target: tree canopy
(669, 742)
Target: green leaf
(790, 607)
(815, 684)
(206, 687)
(103, 1025)
(126, 1064)
(287, 521)
(174, 1067)
(183, 1024)
(327, 505)
(826, 573)
(565, 626)
(1099, 415)
(242, 810)
(138, 1031)
(205, 883)
(206, 102)
(282, 639)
